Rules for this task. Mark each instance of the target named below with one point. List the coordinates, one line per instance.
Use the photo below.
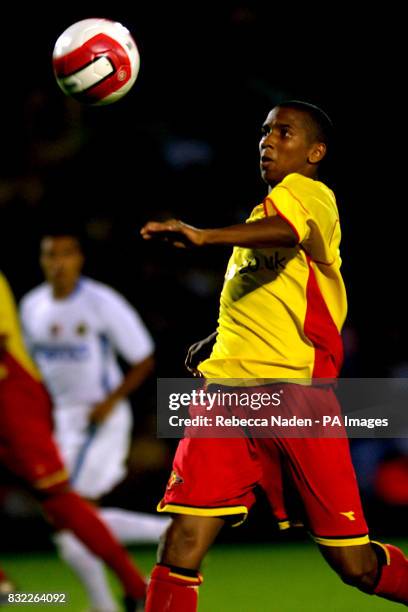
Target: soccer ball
(96, 61)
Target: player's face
(61, 260)
(285, 145)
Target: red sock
(69, 511)
(172, 590)
(393, 582)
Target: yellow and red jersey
(27, 447)
(282, 309)
(13, 354)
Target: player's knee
(181, 543)
(361, 576)
(182, 536)
(355, 565)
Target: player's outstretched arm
(269, 232)
(176, 232)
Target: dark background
(183, 142)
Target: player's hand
(100, 411)
(198, 352)
(176, 232)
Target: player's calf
(188, 539)
(66, 510)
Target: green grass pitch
(286, 577)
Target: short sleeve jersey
(282, 309)
(75, 341)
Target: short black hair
(67, 229)
(322, 125)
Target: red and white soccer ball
(96, 61)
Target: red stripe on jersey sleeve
(321, 330)
(286, 219)
(265, 209)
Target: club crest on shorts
(174, 480)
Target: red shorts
(27, 447)
(217, 476)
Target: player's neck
(63, 291)
(312, 174)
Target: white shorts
(97, 461)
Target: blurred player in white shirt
(75, 328)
